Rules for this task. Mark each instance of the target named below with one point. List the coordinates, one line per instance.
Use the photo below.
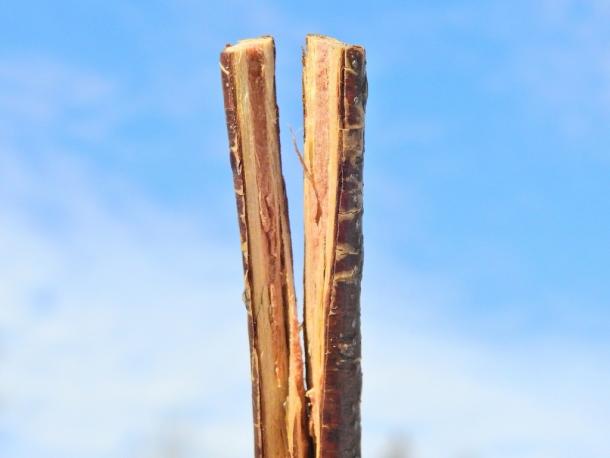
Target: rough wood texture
(276, 360)
(334, 93)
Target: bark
(334, 93)
(248, 80)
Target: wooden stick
(248, 80)
(334, 93)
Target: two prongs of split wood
(307, 172)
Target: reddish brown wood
(335, 92)
(334, 98)
(276, 360)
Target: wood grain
(248, 79)
(334, 98)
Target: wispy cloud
(41, 98)
(114, 323)
(121, 318)
(122, 332)
(453, 396)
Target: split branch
(334, 96)
(276, 360)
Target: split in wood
(325, 422)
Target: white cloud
(112, 323)
(122, 332)
(455, 395)
(121, 320)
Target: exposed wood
(276, 359)
(334, 93)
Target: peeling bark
(248, 79)
(334, 98)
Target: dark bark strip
(335, 92)
(343, 384)
(276, 359)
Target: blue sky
(485, 299)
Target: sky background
(486, 326)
